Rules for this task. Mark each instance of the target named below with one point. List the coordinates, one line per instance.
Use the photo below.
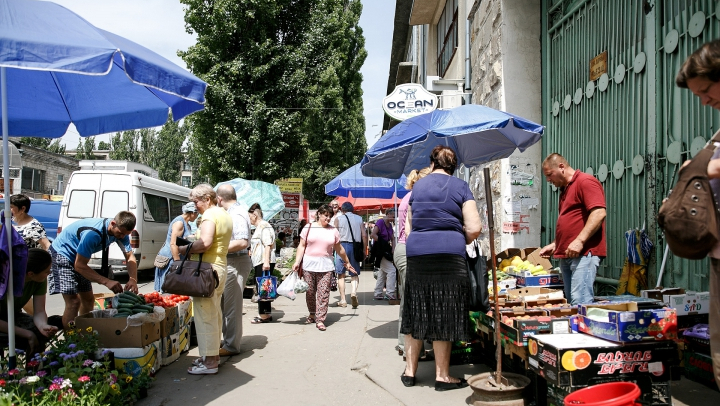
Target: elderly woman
(315, 253)
(263, 257)
(31, 230)
(399, 255)
(212, 240)
(443, 218)
(384, 244)
(179, 227)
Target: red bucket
(606, 394)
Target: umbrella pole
(491, 232)
(12, 361)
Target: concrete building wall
(506, 75)
(52, 164)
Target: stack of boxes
(175, 332)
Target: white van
(104, 188)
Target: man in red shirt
(580, 231)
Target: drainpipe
(468, 97)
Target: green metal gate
(631, 127)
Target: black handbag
(358, 249)
(191, 278)
(479, 280)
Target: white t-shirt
(241, 224)
(319, 242)
(264, 235)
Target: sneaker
(379, 298)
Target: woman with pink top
(399, 256)
(314, 262)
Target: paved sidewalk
(352, 363)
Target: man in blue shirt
(70, 273)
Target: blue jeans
(579, 277)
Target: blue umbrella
(250, 192)
(477, 134)
(56, 68)
(352, 180)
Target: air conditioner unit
(436, 84)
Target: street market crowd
(425, 265)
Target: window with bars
(447, 35)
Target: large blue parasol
(57, 69)
(352, 180)
(477, 134)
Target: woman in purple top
(443, 218)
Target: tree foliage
(284, 98)
(47, 144)
(85, 149)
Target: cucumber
(149, 308)
(125, 306)
(120, 315)
(131, 296)
(138, 310)
(125, 300)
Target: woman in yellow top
(213, 238)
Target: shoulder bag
(689, 215)
(161, 261)
(191, 278)
(358, 251)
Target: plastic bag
(158, 314)
(300, 286)
(287, 287)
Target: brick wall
(485, 53)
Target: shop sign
(598, 66)
(291, 185)
(291, 200)
(409, 100)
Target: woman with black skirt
(443, 218)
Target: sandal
(320, 326)
(198, 361)
(310, 319)
(341, 304)
(260, 320)
(202, 370)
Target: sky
(160, 26)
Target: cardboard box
(659, 292)
(103, 301)
(185, 312)
(505, 284)
(535, 293)
(134, 360)
(171, 323)
(114, 332)
(546, 303)
(520, 329)
(528, 279)
(526, 254)
(577, 360)
(699, 368)
(174, 345)
(689, 303)
(626, 323)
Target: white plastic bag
(287, 287)
(301, 286)
(157, 315)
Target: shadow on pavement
(387, 330)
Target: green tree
(104, 146)
(284, 98)
(164, 150)
(47, 144)
(125, 146)
(85, 149)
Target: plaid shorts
(63, 277)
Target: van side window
(82, 204)
(113, 202)
(155, 208)
(176, 208)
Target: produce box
(689, 303)
(171, 323)
(528, 279)
(534, 293)
(185, 312)
(659, 292)
(690, 320)
(517, 330)
(115, 333)
(526, 254)
(699, 368)
(546, 303)
(624, 322)
(577, 360)
(563, 312)
(103, 301)
(174, 345)
(505, 284)
(134, 360)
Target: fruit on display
(532, 347)
(516, 261)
